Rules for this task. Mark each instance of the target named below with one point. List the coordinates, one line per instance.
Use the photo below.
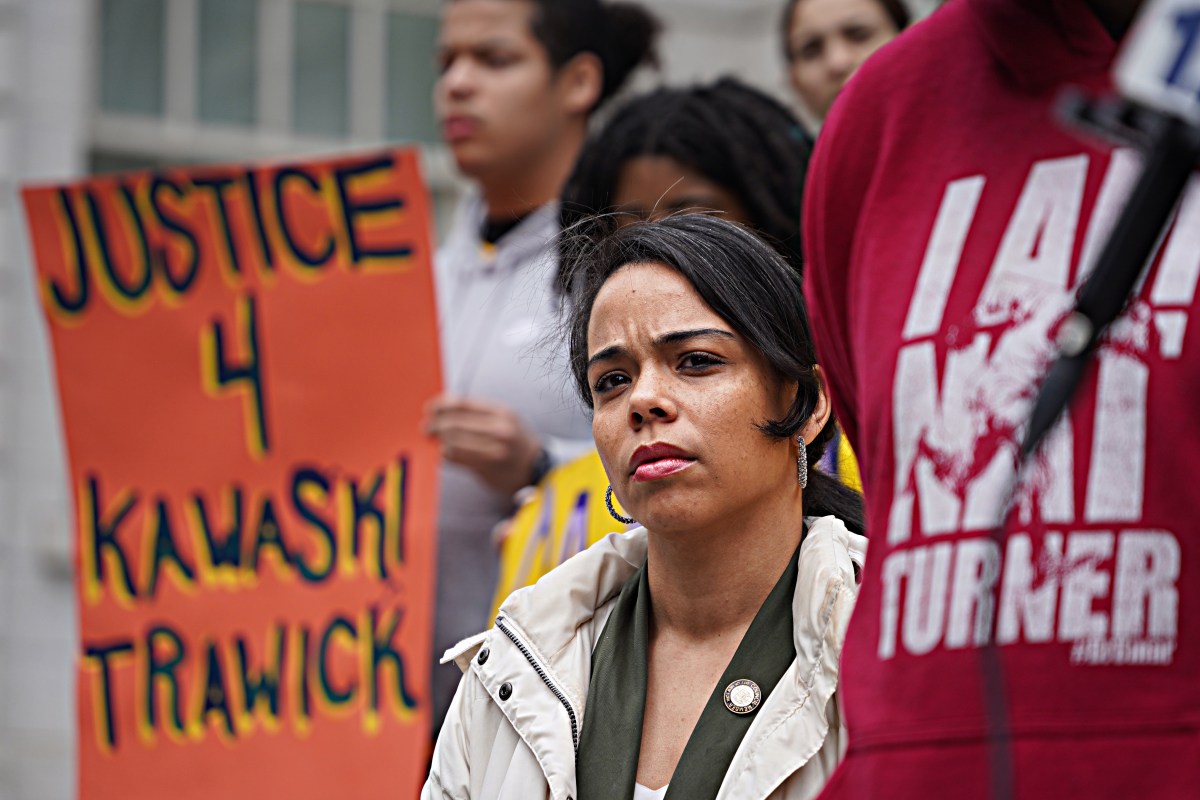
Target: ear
(580, 82)
(821, 411)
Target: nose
(458, 79)
(650, 401)
(841, 58)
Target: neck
(512, 190)
(708, 584)
(1116, 15)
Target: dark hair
(622, 35)
(896, 10)
(733, 135)
(749, 286)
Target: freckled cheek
(606, 431)
(729, 421)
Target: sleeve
(836, 189)
(450, 770)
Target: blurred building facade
(103, 85)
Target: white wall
(43, 126)
(705, 39)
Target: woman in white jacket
(696, 656)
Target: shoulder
(832, 547)
(827, 583)
(534, 234)
(830, 570)
(904, 82)
(462, 239)
(894, 112)
(569, 601)
(532, 247)
(929, 54)
(569, 595)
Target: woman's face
(651, 187)
(678, 396)
(498, 101)
(828, 41)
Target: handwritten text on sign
(243, 355)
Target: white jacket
(514, 724)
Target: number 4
(221, 374)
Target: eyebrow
(487, 45)
(674, 337)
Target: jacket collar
(793, 723)
(553, 610)
(559, 618)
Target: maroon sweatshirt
(948, 220)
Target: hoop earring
(802, 463)
(608, 502)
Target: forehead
(640, 302)
(650, 181)
(472, 22)
(820, 15)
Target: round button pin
(742, 696)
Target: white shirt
(498, 316)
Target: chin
(469, 159)
(671, 515)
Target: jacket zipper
(562, 698)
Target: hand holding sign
(487, 438)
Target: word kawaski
(320, 523)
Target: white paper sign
(1159, 65)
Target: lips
(652, 462)
(457, 127)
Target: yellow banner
(564, 516)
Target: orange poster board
(243, 355)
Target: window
(196, 81)
(411, 74)
(132, 36)
(321, 62)
(307, 67)
(228, 66)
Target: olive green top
(606, 764)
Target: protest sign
(243, 355)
